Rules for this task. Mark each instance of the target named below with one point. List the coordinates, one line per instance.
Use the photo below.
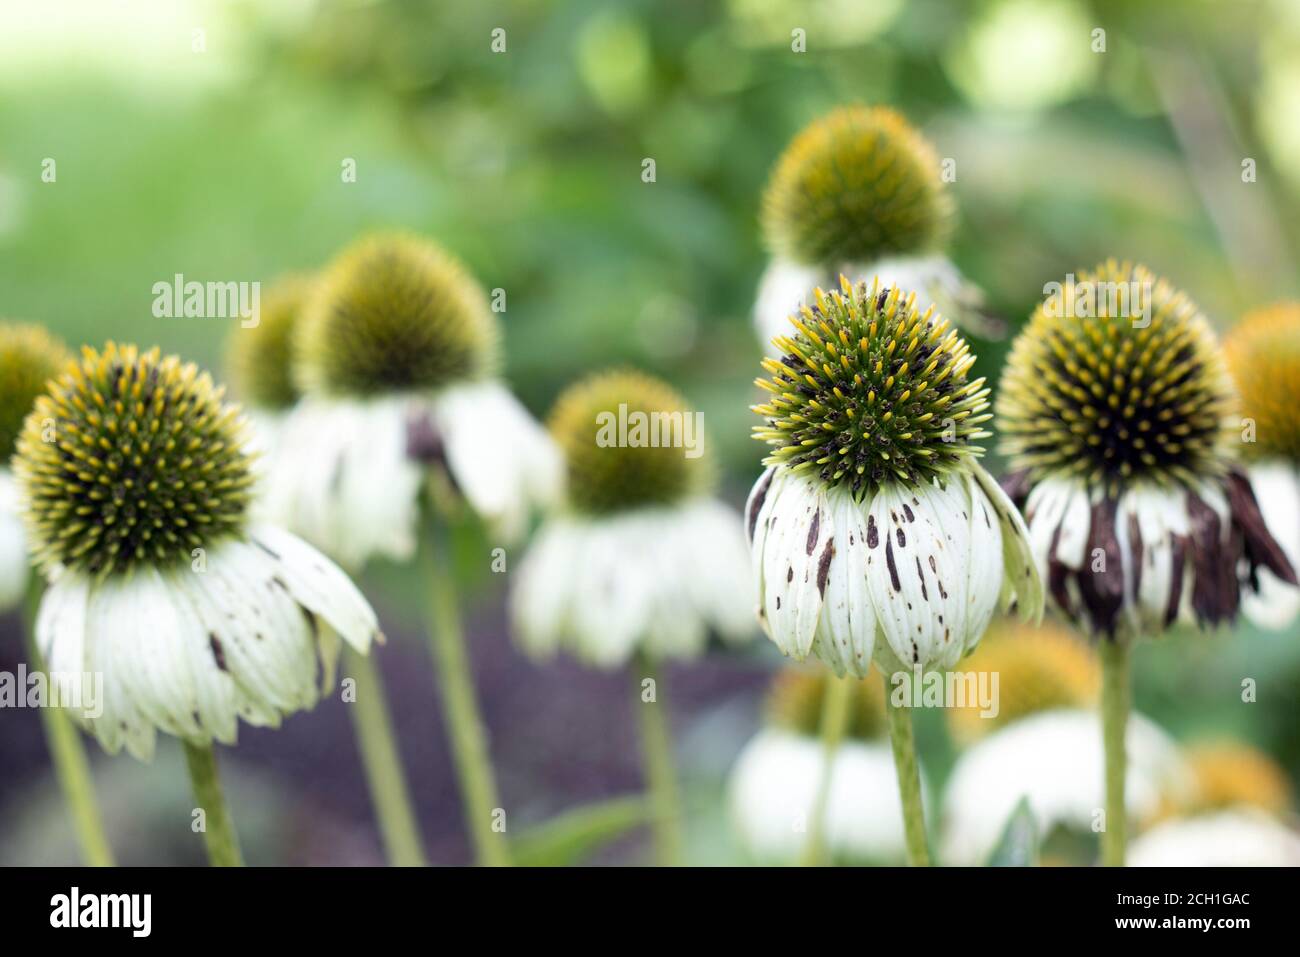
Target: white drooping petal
(788, 526)
(246, 631)
(1055, 760)
(542, 596)
(341, 478)
(1277, 489)
(1237, 837)
(14, 567)
(1022, 585)
(319, 586)
(502, 460)
(846, 633)
(772, 791)
(657, 579)
(758, 520)
(783, 288)
(914, 575)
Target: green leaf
(568, 838)
(1018, 845)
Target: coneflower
(1036, 735)
(785, 797)
(135, 478)
(874, 518)
(261, 371)
(1054, 760)
(403, 417)
(29, 358)
(1236, 815)
(641, 564)
(860, 192)
(1116, 411)
(1263, 352)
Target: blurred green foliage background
(218, 154)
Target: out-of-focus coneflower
(641, 564)
(1117, 413)
(787, 797)
(1235, 816)
(860, 192)
(874, 519)
(402, 420)
(260, 360)
(1263, 352)
(29, 358)
(135, 477)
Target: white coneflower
(260, 360)
(641, 562)
(29, 358)
(1055, 761)
(859, 192)
(774, 787)
(135, 477)
(395, 356)
(1116, 411)
(1236, 816)
(401, 413)
(1263, 352)
(874, 519)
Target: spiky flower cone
(855, 185)
(860, 192)
(1263, 352)
(1117, 414)
(874, 516)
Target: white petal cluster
(923, 568)
(786, 286)
(1237, 837)
(1154, 556)
(249, 631)
(773, 788)
(654, 579)
(345, 475)
(1054, 759)
(14, 568)
(1277, 487)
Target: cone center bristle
(131, 458)
(869, 390)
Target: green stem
(71, 768)
(909, 778)
(1115, 695)
(219, 831)
(657, 759)
(459, 704)
(834, 722)
(383, 763)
